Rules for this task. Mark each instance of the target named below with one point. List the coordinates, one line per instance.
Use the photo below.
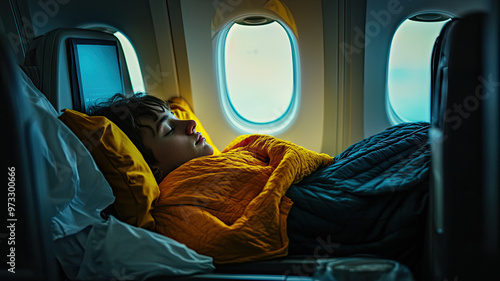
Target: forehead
(152, 115)
(148, 123)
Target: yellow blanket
(232, 206)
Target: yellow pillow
(183, 111)
(123, 166)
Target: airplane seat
(57, 230)
(25, 238)
(74, 67)
(460, 90)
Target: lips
(200, 138)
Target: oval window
(258, 76)
(409, 73)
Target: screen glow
(100, 74)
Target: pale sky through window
(259, 71)
(409, 75)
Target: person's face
(173, 141)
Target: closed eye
(169, 132)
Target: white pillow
(78, 190)
(113, 250)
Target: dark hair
(125, 111)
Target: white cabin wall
(344, 65)
(307, 130)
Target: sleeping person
(263, 197)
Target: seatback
(460, 92)
(25, 239)
(56, 64)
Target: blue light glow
(99, 71)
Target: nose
(190, 126)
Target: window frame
(131, 60)
(394, 117)
(239, 122)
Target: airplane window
(258, 76)
(409, 74)
(132, 61)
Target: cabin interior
(340, 91)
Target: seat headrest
(73, 67)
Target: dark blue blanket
(372, 200)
